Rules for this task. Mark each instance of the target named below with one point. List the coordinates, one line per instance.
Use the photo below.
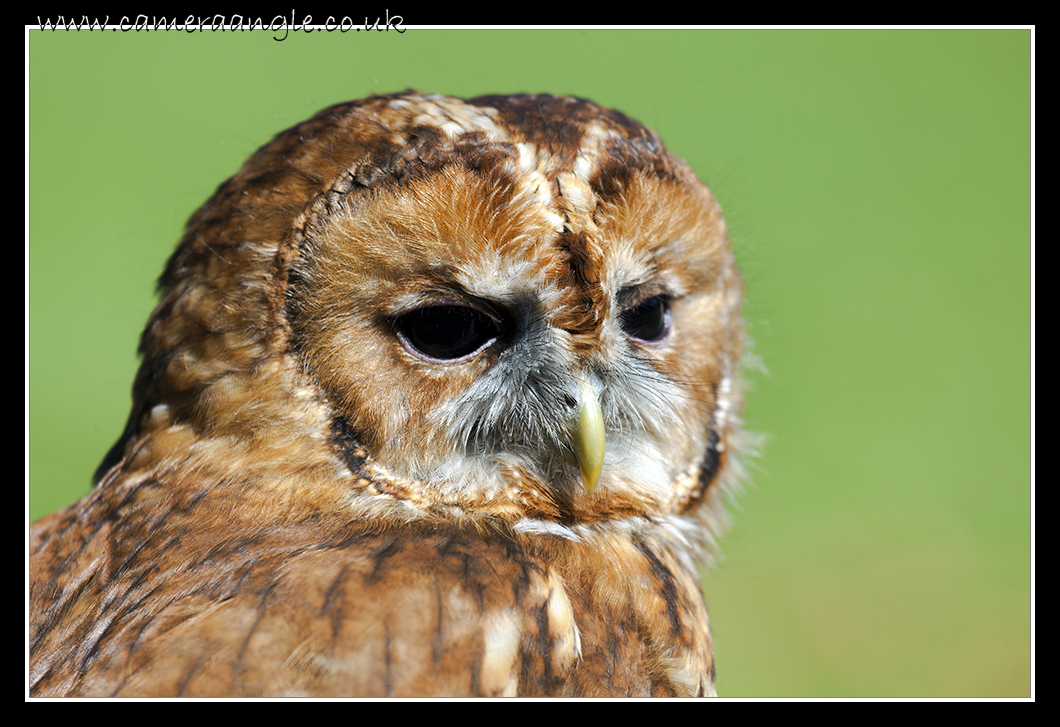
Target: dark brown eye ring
(446, 332)
(649, 321)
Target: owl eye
(446, 332)
(649, 321)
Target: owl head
(511, 310)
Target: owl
(441, 399)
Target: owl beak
(587, 435)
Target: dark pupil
(649, 321)
(446, 332)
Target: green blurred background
(877, 187)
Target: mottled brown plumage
(360, 456)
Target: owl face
(522, 306)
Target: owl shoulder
(317, 608)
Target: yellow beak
(587, 436)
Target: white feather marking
(533, 526)
(499, 675)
